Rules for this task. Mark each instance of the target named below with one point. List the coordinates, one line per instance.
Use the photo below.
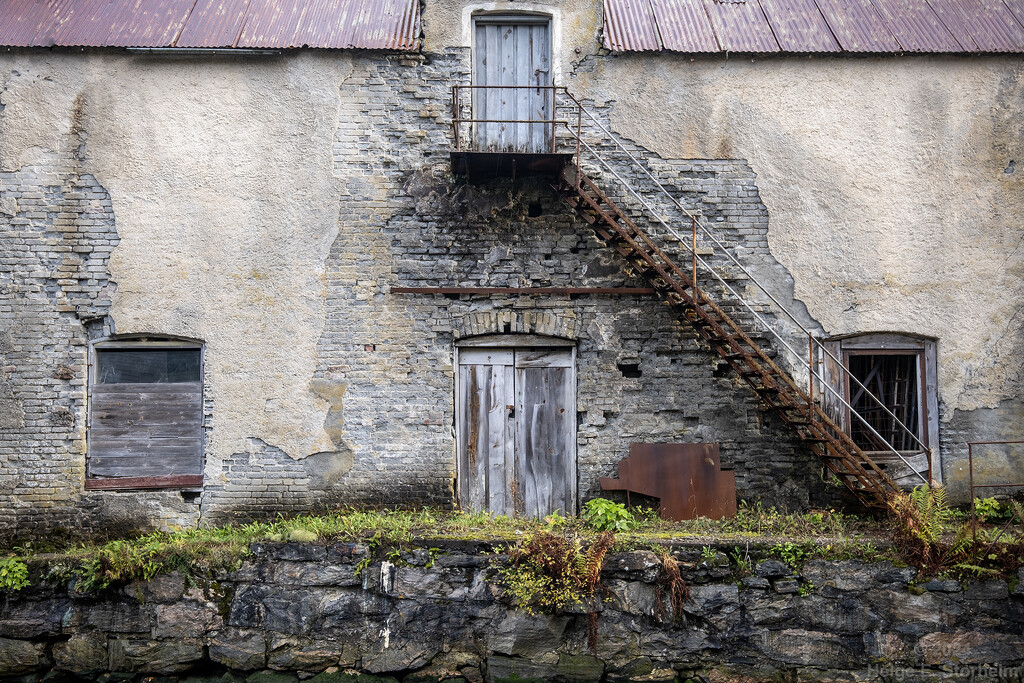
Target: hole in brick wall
(452, 296)
(506, 328)
(190, 496)
(534, 210)
(629, 369)
(721, 370)
(547, 257)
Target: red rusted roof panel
(684, 26)
(982, 25)
(368, 24)
(857, 26)
(213, 23)
(279, 24)
(22, 21)
(916, 26)
(148, 23)
(629, 26)
(82, 23)
(741, 26)
(799, 26)
(1017, 8)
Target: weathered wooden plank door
(545, 433)
(512, 51)
(486, 437)
(517, 431)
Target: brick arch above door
(564, 325)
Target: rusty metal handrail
(577, 136)
(812, 374)
(972, 485)
(458, 120)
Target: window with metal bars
(894, 379)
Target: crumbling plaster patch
(220, 175)
(886, 182)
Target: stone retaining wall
(297, 611)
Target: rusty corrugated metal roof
(629, 26)
(988, 25)
(273, 24)
(1017, 9)
(24, 20)
(741, 26)
(685, 26)
(799, 26)
(809, 26)
(857, 26)
(917, 27)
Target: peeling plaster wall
(221, 185)
(266, 205)
(891, 184)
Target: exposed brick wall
(385, 359)
(408, 222)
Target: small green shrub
(13, 573)
(605, 515)
(794, 554)
(988, 510)
(547, 572)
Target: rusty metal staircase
(752, 363)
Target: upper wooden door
(516, 424)
(512, 51)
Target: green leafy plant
(13, 573)
(548, 572)
(794, 554)
(606, 515)
(805, 589)
(988, 509)
(742, 561)
(708, 554)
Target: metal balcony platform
(482, 166)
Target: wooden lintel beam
(523, 290)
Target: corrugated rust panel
(213, 23)
(916, 26)
(629, 26)
(1017, 8)
(273, 24)
(148, 23)
(22, 21)
(741, 26)
(684, 26)
(83, 23)
(367, 24)
(799, 26)
(984, 25)
(857, 26)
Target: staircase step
(746, 354)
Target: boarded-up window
(146, 414)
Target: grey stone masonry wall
(337, 614)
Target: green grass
(204, 552)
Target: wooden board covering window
(145, 434)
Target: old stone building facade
(247, 217)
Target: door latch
(511, 411)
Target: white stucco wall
(220, 175)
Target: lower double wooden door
(516, 431)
